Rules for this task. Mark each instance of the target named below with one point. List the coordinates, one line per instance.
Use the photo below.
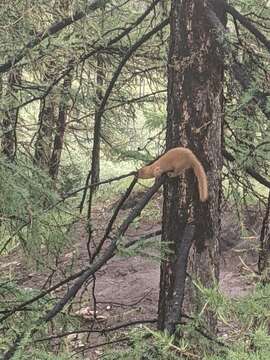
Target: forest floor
(126, 289)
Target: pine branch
(249, 170)
(240, 71)
(88, 55)
(244, 21)
(86, 273)
(52, 30)
(101, 109)
(108, 253)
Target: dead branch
(99, 331)
(114, 216)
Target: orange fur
(173, 162)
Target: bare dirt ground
(126, 288)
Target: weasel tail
(201, 178)
(174, 162)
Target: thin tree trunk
(195, 83)
(264, 254)
(95, 165)
(46, 123)
(245, 80)
(9, 122)
(63, 107)
(95, 169)
(60, 128)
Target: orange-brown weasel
(173, 162)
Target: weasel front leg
(157, 172)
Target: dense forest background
(90, 91)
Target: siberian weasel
(173, 162)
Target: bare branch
(114, 216)
(99, 331)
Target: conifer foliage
(91, 90)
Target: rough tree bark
(194, 120)
(10, 119)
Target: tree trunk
(244, 78)
(9, 122)
(264, 255)
(95, 165)
(60, 128)
(195, 84)
(95, 169)
(46, 123)
(59, 121)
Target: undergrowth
(243, 326)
